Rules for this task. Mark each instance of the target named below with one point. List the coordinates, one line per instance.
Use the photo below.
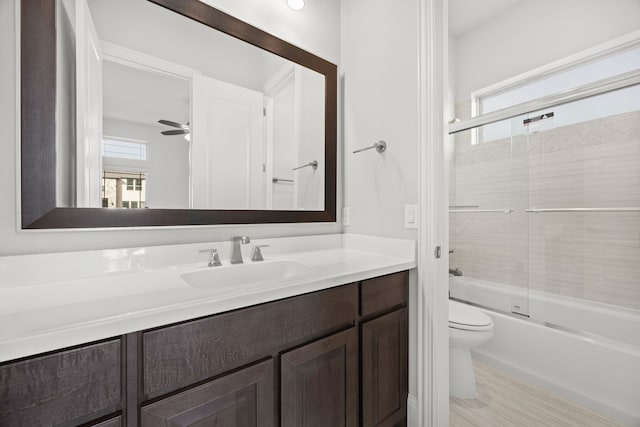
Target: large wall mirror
(167, 112)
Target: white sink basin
(245, 275)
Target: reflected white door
(227, 146)
(89, 109)
(283, 146)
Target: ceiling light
(295, 4)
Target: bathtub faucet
(455, 272)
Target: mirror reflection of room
(198, 118)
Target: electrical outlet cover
(346, 216)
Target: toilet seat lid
(463, 316)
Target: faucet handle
(257, 253)
(214, 259)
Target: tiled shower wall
(595, 256)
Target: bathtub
(586, 351)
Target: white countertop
(53, 301)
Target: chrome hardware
(630, 209)
(537, 118)
(505, 211)
(313, 164)
(455, 272)
(279, 180)
(380, 146)
(214, 259)
(257, 253)
(236, 252)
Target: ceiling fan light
(187, 136)
(295, 4)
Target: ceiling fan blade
(175, 132)
(173, 124)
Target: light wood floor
(505, 401)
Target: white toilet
(468, 327)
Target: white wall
(379, 81)
(316, 28)
(380, 86)
(535, 33)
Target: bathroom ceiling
(465, 15)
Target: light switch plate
(410, 216)
(346, 215)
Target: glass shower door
(488, 266)
(584, 217)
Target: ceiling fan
(183, 129)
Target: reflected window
(134, 184)
(124, 149)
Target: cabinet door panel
(180, 355)
(241, 399)
(384, 369)
(66, 387)
(319, 384)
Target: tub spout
(455, 272)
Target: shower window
(558, 77)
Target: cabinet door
(69, 387)
(241, 399)
(319, 383)
(384, 370)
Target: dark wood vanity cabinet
(334, 358)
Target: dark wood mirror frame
(38, 122)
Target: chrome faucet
(257, 253)
(236, 252)
(214, 259)
(455, 271)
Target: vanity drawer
(384, 293)
(69, 387)
(186, 353)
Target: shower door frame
(431, 405)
